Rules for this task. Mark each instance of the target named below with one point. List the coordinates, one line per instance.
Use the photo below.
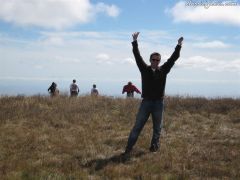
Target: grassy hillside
(82, 138)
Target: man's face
(155, 60)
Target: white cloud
(212, 44)
(53, 13)
(103, 58)
(128, 61)
(66, 60)
(210, 64)
(111, 10)
(53, 40)
(205, 13)
(196, 62)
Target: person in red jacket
(130, 89)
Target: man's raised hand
(135, 36)
(180, 40)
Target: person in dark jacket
(53, 90)
(153, 87)
(130, 89)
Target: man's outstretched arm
(139, 60)
(175, 55)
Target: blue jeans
(147, 107)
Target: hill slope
(82, 138)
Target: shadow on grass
(99, 164)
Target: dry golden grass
(82, 138)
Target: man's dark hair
(154, 53)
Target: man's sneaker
(126, 156)
(154, 148)
(127, 150)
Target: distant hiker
(94, 90)
(53, 90)
(153, 87)
(74, 90)
(130, 89)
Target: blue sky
(58, 40)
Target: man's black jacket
(153, 83)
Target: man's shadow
(99, 164)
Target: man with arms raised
(153, 87)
